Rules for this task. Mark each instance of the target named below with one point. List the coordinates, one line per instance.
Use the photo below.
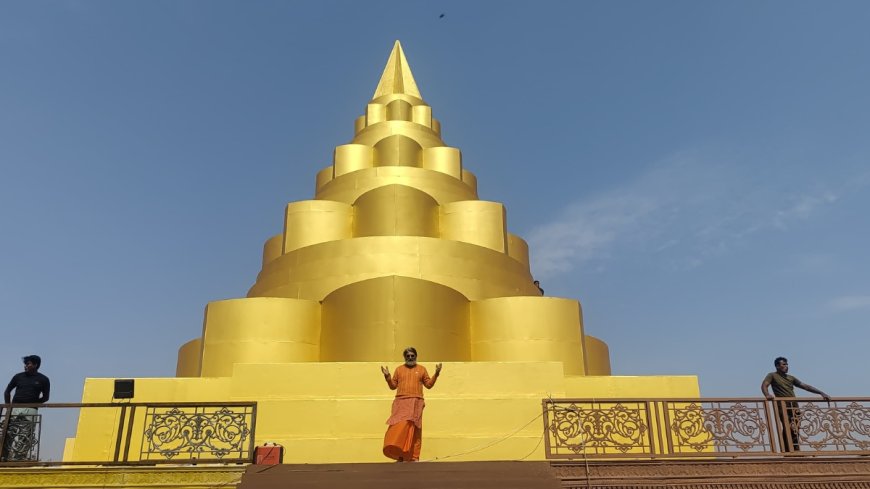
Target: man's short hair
(779, 360)
(409, 349)
(34, 359)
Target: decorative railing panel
(212, 432)
(821, 427)
(22, 432)
(616, 428)
(578, 428)
(717, 427)
(136, 433)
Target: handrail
(705, 399)
(706, 427)
(165, 432)
(3, 407)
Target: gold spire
(397, 77)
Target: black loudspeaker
(123, 389)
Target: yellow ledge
(129, 478)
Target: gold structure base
(335, 412)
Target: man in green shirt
(787, 411)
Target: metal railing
(145, 433)
(711, 427)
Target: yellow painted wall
(330, 412)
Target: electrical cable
(487, 445)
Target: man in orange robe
(404, 437)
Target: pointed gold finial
(397, 77)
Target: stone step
(419, 475)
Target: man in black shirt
(31, 387)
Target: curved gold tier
(440, 186)
(315, 271)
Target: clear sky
(697, 174)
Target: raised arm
(393, 381)
(429, 382)
(809, 388)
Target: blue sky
(697, 174)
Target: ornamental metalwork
(717, 427)
(169, 433)
(833, 426)
(21, 439)
(595, 428)
(671, 428)
(196, 433)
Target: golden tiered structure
(394, 250)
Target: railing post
(129, 433)
(666, 428)
(8, 414)
(648, 407)
(545, 406)
(253, 443)
(120, 432)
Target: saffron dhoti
(404, 437)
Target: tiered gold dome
(394, 249)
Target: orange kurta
(404, 437)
